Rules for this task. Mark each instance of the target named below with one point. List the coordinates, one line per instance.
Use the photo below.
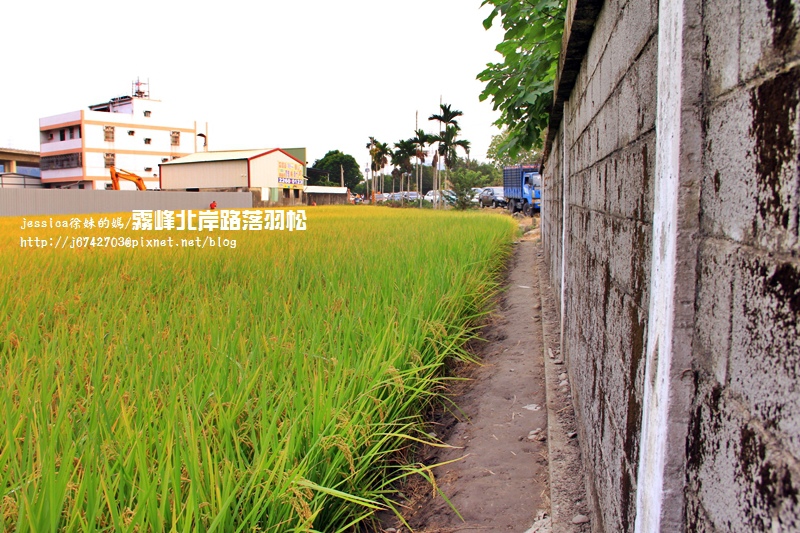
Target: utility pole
(417, 173)
(440, 197)
(371, 150)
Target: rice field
(272, 386)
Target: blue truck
(522, 186)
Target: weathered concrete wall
(608, 131)
(743, 450)
(551, 215)
(733, 462)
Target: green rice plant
(274, 386)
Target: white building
(279, 173)
(132, 133)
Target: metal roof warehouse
(278, 173)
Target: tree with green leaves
(463, 181)
(490, 174)
(334, 162)
(505, 159)
(521, 87)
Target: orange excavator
(116, 174)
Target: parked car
(431, 196)
(476, 192)
(381, 197)
(412, 196)
(446, 196)
(492, 196)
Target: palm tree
(378, 153)
(396, 175)
(420, 140)
(371, 148)
(382, 152)
(448, 143)
(401, 157)
(447, 118)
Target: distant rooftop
(139, 89)
(227, 155)
(18, 152)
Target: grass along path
(268, 387)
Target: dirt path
(500, 480)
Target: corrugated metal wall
(19, 181)
(21, 202)
(206, 175)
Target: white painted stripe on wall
(564, 222)
(655, 409)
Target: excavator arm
(116, 174)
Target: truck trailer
(522, 187)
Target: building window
(79, 131)
(54, 162)
(109, 159)
(71, 132)
(131, 132)
(147, 113)
(108, 133)
(147, 140)
(175, 138)
(63, 134)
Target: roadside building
(277, 175)
(19, 169)
(320, 195)
(133, 133)
(14, 180)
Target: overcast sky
(316, 73)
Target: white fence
(23, 202)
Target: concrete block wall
(742, 419)
(609, 158)
(743, 450)
(551, 216)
